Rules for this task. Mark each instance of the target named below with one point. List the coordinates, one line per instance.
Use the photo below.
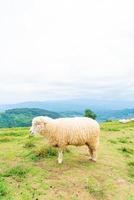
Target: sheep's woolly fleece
(68, 131)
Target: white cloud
(66, 49)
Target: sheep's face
(38, 125)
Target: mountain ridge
(71, 105)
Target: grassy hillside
(29, 169)
(22, 117)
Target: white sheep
(68, 131)
(124, 121)
(132, 119)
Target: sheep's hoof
(60, 161)
(92, 160)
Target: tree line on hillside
(22, 117)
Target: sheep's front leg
(60, 156)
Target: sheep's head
(38, 125)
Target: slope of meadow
(29, 169)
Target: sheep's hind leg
(90, 152)
(60, 156)
(93, 154)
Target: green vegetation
(22, 117)
(29, 144)
(43, 152)
(16, 172)
(127, 151)
(29, 168)
(3, 188)
(131, 169)
(89, 113)
(95, 188)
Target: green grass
(5, 139)
(131, 163)
(45, 152)
(127, 150)
(3, 188)
(131, 169)
(124, 140)
(16, 172)
(130, 198)
(41, 152)
(95, 188)
(29, 144)
(29, 168)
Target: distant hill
(21, 117)
(71, 114)
(78, 105)
(115, 114)
(18, 117)
(103, 115)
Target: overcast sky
(69, 49)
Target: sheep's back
(76, 130)
(76, 123)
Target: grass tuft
(113, 141)
(3, 188)
(131, 163)
(95, 188)
(16, 172)
(126, 150)
(42, 152)
(131, 169)
(131, 172)
(4, 140)
(123, 140)
(47, 152)
(113, 129)
(29, 144)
